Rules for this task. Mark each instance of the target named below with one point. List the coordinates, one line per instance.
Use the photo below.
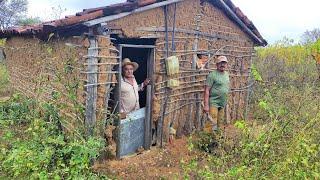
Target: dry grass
(4, 81)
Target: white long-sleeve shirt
(129, 98)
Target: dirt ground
(156, 163)
(153, 164)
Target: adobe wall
(37, 69)
(50, 72)
(226, 39)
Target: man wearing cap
(216, 93)
(129, 99)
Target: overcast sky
(273, 18)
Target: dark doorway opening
(140, 51)
(140, 56)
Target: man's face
(222, 66)
(128, 71)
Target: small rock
(140, 150)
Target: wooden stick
(163, 42)
(186, 31)
(108, 63)
(99, 84)
(248, 91)
(147, 130)
(161, 120)
(101, 57)
(202, 50)
(188, 82)
(91, 98)
(184, 99)
(188, 92)
(180, 88)
(222, 54)
(101, 72)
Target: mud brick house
(76, 60)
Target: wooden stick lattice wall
(202, 29)
(183, 104)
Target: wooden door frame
(149, 89)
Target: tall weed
(4, 80)
(282, 142)
(33, 144)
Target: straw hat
(127, 61)
(221, 59)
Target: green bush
(33, 144)
(4, 80)
(17, 110)
(282, 142)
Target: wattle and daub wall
(50, 72)
(32, 69)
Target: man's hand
(206, 108)
(146, 82)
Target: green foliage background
(282, 140)
(34, 145)
(4, 80)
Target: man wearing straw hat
(216, 93)
(129, 99)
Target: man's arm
(144, 84)
(206, 98)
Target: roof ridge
(113, 9)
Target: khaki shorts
(217, 115)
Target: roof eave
(123, 14)
(244, 27)
(92, 17)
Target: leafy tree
(285, 50)
(315, 53)
(284, 42)
(310, 36)
(11, 11)
(57, 12)
(29, 21)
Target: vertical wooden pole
(242, 92)
(190, 120)
(149, 106)
(173, 49)
(108, 88)
(182, 114)
(164, 104)
(166, 27)
(147, 122)
(194, 61)
(239, 86)
(92, 91)
(118, 94)
(173, 46)
(249, 88)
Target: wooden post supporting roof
(118, 95)
(147, 122)
(250, 80)
(194, 67)
(92, 77)
(167, 91)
